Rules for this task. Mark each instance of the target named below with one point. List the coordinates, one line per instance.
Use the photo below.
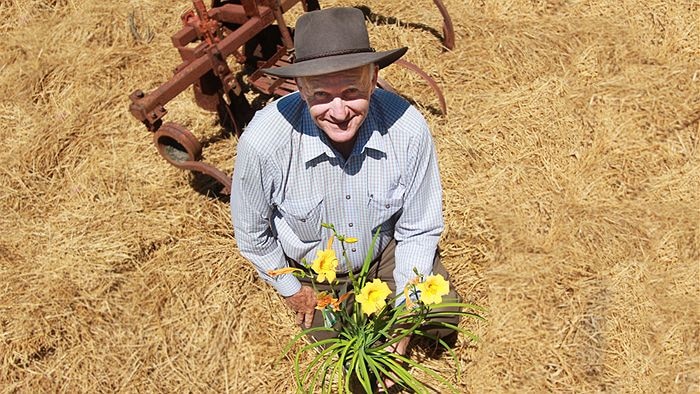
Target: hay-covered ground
(571, 176)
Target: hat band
(333, 53)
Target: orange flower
(336, 303)
(282, 271)
(406, 290)
(323, 300)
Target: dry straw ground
(571, 177)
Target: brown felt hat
(331, 40)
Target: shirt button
(303, 220)
(354, 250)
(350, 225)
(347, 197)
(387, 206)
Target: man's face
(339, 102)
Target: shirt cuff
(287, 285)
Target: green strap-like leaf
(426, 370)
(362, 374)
(393, 369)
(323, 358)
(373, 365)
(362, 277)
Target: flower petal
(373, 296)
(433, 288)
(282, 271)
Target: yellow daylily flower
(325, 264)
(282, 271)
(350, 240)
(432, 289)
(372, 297)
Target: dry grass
(570, 166)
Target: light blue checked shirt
(288, 180)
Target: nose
(337, 108)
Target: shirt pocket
(385, 206)
(304, 217)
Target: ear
(375, 75)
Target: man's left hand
(304, 304)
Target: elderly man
(338, 151)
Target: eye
(352, 94)
(321, 96)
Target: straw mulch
(571, 175)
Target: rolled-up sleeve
(420, 225)
(251, 212)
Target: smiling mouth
(342, 125)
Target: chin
(340, 134)
(343, 136)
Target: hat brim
(331, 64)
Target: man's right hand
(304, 304)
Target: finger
(300, 318)
(388, 383)
(309, 318)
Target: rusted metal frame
(276, 84)
(436, 88)
(448, 30)
(227, 84)
(207, 28)
(221, 69)
(184, 36)
(286, 5)
(281, 52)
(251, 8)
(229, 13)
(149, 108)
(207, 57)
(193, 149)
(286, 37)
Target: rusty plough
(208, 38)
